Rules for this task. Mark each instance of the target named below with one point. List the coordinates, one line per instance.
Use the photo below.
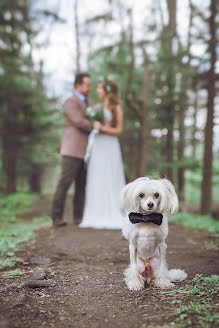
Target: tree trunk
(131, 53)
(35, 177)
(9, 167)
(10, 145)
(143, 137)
(171, 4)
(131, 160)
(169, 148)
(181, 147)
(206, 198)
(194, 129)
(77, 36)
(183, 101)
(9, 156)
(142, 164)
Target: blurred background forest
(163, 55)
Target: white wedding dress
(105, 180)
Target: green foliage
(194, 313)
(29, 121)
(94, 114)
(116, 62)
(13, 234)
(14, 204)
(16, 272)
(202, 291)
(37, 123)
(204, 281)
(14, 231)
(210, 245)
(196, 221)
(194, 304)
(8, 262)
(194, 179)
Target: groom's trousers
(73, 170)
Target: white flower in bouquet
(95, 113)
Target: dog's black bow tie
(155, 218)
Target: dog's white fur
(147, 245)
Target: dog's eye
(156, 195)
(141, 195)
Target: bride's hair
(112, 91)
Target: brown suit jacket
(77, 128)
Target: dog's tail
(177, 275)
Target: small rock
(20, 300)
(40, 275)
(42, 311)
(39, 283)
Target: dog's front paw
(136, 284)
(164, 284)
(132, 279)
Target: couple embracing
(99, 179)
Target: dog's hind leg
(132, 277)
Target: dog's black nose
(150, 205)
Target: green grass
(194, 305)
(16, 272)
(13, 234)
(204, 281)
(201, 293)
(9, 262)
(197, 221)
(196, 314)
(13, 205)
(210, 245)
(13, 231)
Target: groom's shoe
(59, 223)
(77, 221)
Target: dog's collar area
(155, 218)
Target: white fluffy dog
(147, 245)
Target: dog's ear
(172, 202)
(126, 199)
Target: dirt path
(79, 275)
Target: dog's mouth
(148, 211)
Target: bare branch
(49, 13)
(105, 17)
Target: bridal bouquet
(95, 113)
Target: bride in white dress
(105, 174)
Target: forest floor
(73, 277)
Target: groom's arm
(76, 116)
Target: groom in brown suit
(73, 149)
